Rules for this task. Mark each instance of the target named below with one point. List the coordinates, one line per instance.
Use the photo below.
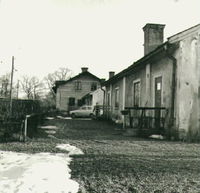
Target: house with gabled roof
(69, 93)
(167, 78)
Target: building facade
(69, 93)
(168, 76)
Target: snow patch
(38, 173)
(61, 117)
(49, 118)
(72, 149)
(156, 137)
(50, 132)
(49, 127)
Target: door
(158, 100)
(158, 91)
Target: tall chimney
(111, 74)
(84, 69)
(153, 36)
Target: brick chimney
(153, 36)
(84, 69)
(111, 74)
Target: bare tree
(60, 74)
(32, 87)
(5, 85)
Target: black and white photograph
(99, 96)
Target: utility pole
(17, 89)
(11, 85)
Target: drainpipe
(104, 96)
(174, 63)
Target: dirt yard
(113, 163)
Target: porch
(145, 121)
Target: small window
(78, 85)
(93, 86)
(117, 97)
(71, 101)
(83, 108)
(136, 94)
(80, 102)
(89, 108)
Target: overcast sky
(104, 35)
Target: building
(94, 97)
(166, 78)
(69, 93)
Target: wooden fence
(13, 122)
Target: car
(84, 111)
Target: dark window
(80, 102)
(116, 97)
(136, 94)
(93, 86)
(71, 101)
(78, 85)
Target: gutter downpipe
(104, 96)
(174, 63)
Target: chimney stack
(84, 69)
(153, 36)
(111, 74)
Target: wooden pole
(17, 89)
(11, 84)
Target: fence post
(26, 126)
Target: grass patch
(113, 163)
(118, 164)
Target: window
(108, 99)
(71, 101)
(93, 86)
(80, 103)
(78, 85)
(136, 94)
(117, 97)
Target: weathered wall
(163, 68)
(116, 111)
(188, 85)
(66, 91)
(138, 76)
(146, 76)
(97, 97)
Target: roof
(184, 31)
(149, 56)
(62, 82)
(136, 64)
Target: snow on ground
(49, 118)
(48, 127)
(61, 117)
(37, 173)
(72, 149)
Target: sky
(103, 35)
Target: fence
(13, 122)
(148, 120)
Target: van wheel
(73, 116)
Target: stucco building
(69, 93)
(167, 76)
